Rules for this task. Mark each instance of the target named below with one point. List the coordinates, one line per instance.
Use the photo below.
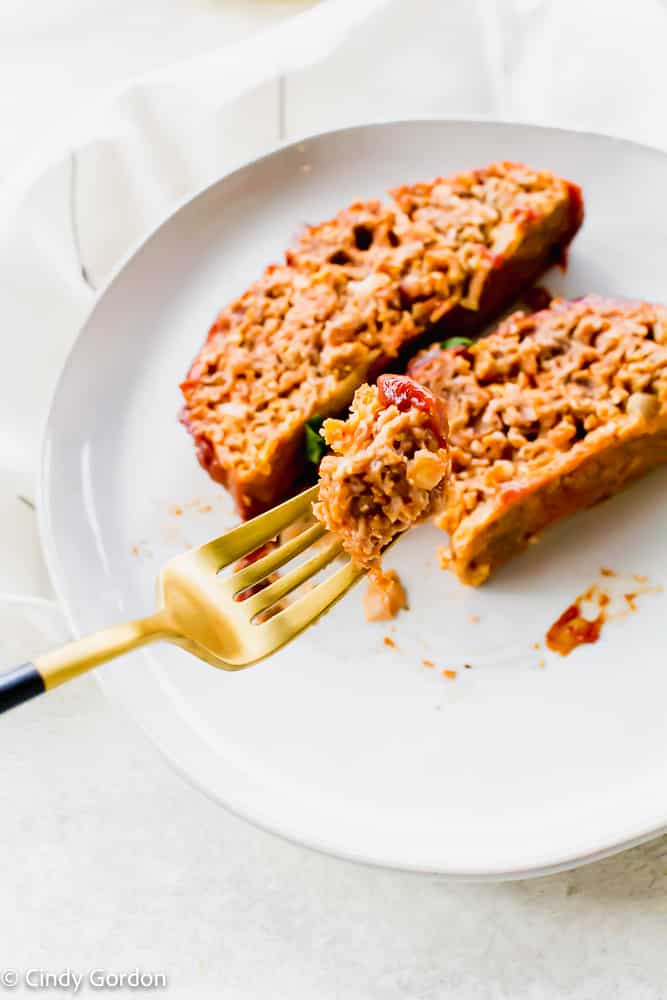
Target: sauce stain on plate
(571, 629)
(579, 624)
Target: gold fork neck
(83, 654)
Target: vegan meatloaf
(438, 257)
(387, 467)
(549, 414)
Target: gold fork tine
(253, 534)
(290, 581)
(263, 567)
(287, 623)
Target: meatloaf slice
(549, 414)
(387, 469)
(354, 291)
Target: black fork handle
(19, 685)
(60, 665)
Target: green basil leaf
(315, 443)
(456, 342)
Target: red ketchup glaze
(403, 392)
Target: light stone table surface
(110, 860)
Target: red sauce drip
(404, 392)
(254, 556)
(576, 217)
(511, 495)
(576, 206)
(525, 216)
(561, 257)
(248, 560)
(425, 359)
(572, 630)
(203, 447)
(537, 298)
(494, 259)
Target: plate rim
(57, 575)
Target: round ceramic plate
(523, 761)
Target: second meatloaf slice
(549, 414)
(440, 257)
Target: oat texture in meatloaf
(549, 414)
(444, 256)
(387, 469)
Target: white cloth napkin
(101, 180)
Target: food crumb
(541, 663)
(605, 571)
(141, 550)
(384, 596)
(467, 666)
(388, 641)
(474, 619)
(639, 578)
(198, 505)
(536, 645)
(449, 674)
(428, 663)
(630, 598)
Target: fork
(206, 613)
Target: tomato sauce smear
(572, 630)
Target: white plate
(339, 741)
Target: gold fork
(202, 612)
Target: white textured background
(110, 860)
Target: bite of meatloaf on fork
(549, 414)
(387, 468)
(440, 257)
